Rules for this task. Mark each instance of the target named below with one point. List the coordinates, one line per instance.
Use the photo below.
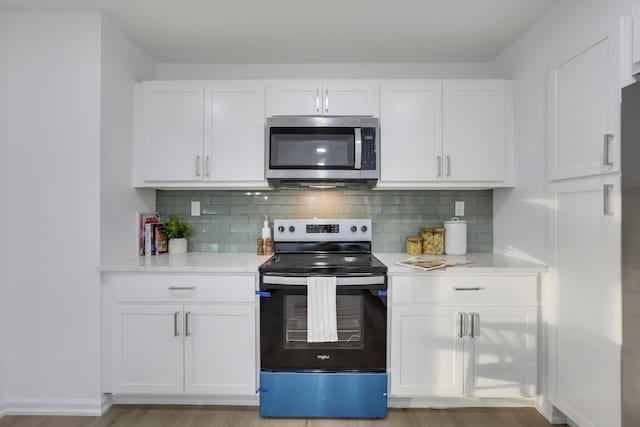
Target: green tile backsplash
(231, 221)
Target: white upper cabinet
(203, 134)
(474, 130)
(173, 120)
(234, 131)
(446, 134)
(296, 98)
(411, 131)
(635, 39)
(329, 98)
(585, 103)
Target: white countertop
(195, 262)
(243, 262)
(479, 262)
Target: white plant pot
(177, 246)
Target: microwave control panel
(368, 148)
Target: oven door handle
(340, 281)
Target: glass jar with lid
(414, 245)
(432, 240)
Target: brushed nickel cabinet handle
(607, 199)
(186, 324)
(317, 100)
(182, 288)
(439, 164)
(207, 172)
(175, 324)
(463, 325)
(448, 166)
(326, 100)
(475, 324)
(197, 165)
(474, 288)
(607, 148)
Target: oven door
(361, 308)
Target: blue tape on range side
(326, 395)
(382, 293)
(263, 294)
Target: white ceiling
(316, 31)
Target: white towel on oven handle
(321, 309)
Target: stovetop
(332, 247)
(334, 264)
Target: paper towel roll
(455, 237)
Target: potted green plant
(177, 232)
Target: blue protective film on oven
(323, 394)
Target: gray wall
(231, 221)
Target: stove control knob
(281, 229)
(292, 229)
(364, 228)
(354, 228)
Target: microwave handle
(357, 161)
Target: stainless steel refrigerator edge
(630, 158)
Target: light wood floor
(216, 416)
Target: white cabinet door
(220, 351)
(148, 349)
(586, 239)
(474, 130)
(502, 351)
(349, 98)
(585, 102)
(234, 131)
(635, 37)
(411, 131)
(426, 351)
(173, 131)
(329, 98)
(296, 98)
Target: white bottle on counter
(455, 237)
(266, 230)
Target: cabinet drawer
(463, 289)
(183, 288)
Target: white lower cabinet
(148, 356)
(188, 336)
(220, 351)
(426, 351)
(464, 345)
(501, 352)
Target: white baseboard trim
(72, 407)
(182, 399)
(3, 410)
(458, 402)
(107, 403)
(548, 411)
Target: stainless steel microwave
(322, 149)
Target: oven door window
(362, 331)
(349, 316)
(312, 148)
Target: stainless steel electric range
(342, 378)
